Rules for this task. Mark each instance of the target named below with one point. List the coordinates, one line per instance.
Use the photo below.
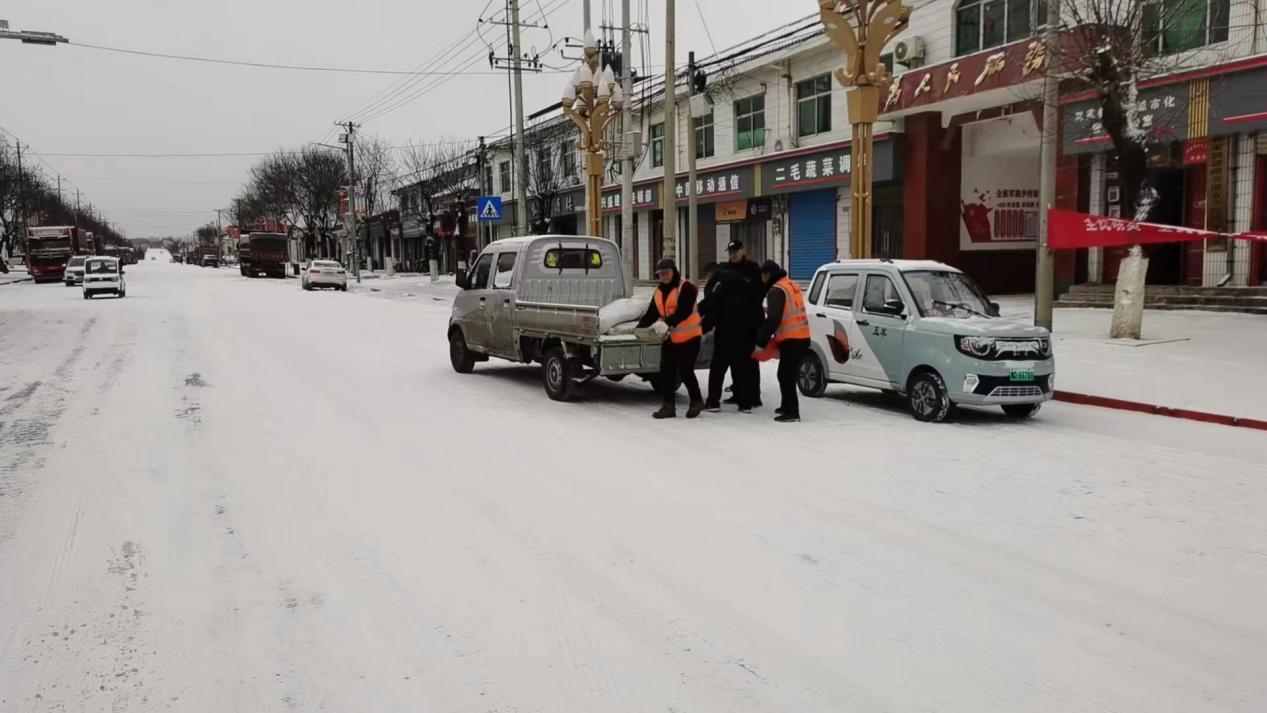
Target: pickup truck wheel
(556, 373)
(928, 398)
(810, 377)
(1020, 412)
(459, 354)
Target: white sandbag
(656, 331)
(619, 312)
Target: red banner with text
(1069, 230)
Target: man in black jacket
(791, 351)
(748, 372)
(727, 311)
(677, 358)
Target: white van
(104, 274)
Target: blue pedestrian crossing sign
(488, 209)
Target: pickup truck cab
(537, 299)
(926, 331)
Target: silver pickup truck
(537, 299)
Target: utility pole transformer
(669, 248)
(627, 234)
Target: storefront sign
(1161, 113)
(999, 184)
(720, 185)
(759, 210)
(1196, 152)
(828, 167)
(732, 212)
(1237, 102)
(1070, 231)
(644, 198)
(1216, 187)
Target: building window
(704, 146)
(750, 123)
(1179, 25)
(544, 176)
(813, 105)
(503, 169)
(567, 154)
(657, 145)
(985, 24)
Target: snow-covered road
(223, 494)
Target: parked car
(104, 274)
(324, 273)
(74, 274)
(538, 299)
(926, 331)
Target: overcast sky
(69, 99)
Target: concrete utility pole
(692, 155)
(627, 235)
(669, 248)
(21, 195)
(1045, 273)
(349, 141)
(585, 14)
(485, 190)
(521, 153)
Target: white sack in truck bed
(619, 312)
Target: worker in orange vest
(785, 330)
(674, 303)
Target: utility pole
(521, 182)
(692, 146)
(21, 196)
(669, 249)
(485, 190)
(627, 236)
(349, 140)
(1045, 277)
(219, 231)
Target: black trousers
(677, 363)
(791, 353)
(734, 354)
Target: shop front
(813, 187)
(725, 185)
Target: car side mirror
(460, 277)
(897, 308)
(994, 309)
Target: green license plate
(1023, 375)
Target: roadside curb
(15, 281)
(1140, 407)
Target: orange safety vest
(686, 330)
(795, 322)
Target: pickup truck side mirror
(994, 309)
(460, 277)
(896, 308)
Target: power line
(268, 65)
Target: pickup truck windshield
(947, 294)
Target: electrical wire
(267, 65)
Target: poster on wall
(998, 202)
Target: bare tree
(552, 163)
(1111, 47)
(320, 177)
(375, 175)
(274, 185)
(442, 178)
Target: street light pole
(588, 100)
(627, 235)
(874, 23)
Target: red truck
(50, 247)
(206, 255)
(266, 253)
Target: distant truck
(207, 256)
(49, 248)
(263, 253)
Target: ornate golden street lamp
(593, 100)
(861, 29)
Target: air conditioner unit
(909, 52)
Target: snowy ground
(223, 494)
(1207, 361)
